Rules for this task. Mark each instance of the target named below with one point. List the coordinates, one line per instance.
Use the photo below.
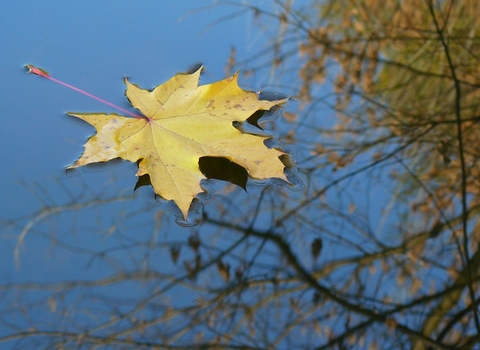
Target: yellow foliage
(183, 122)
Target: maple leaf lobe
(184, 122)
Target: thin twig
(458, 96)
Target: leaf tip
(195, 68)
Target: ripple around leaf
(194, 215)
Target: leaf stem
(45, 74)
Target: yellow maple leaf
(183, 122)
